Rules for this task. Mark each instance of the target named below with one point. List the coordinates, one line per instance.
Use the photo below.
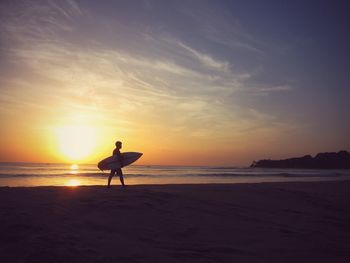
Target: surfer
(118, 156)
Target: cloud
(69, 8)
(276, 88)
(158, 81)
(206, 59)
(218, 25)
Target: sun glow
(74, 169)
(76, 142)
(73, 182)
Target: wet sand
(269, 222)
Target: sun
(76, 142)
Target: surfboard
(111, 162)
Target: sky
(184, 82)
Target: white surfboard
(112, 162)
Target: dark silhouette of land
(328, 160)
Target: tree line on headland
(328, 160)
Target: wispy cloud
(216, 23)
(276, 88)
(68, 8)
(206, 59)
(168, 84)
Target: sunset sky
(184, 82)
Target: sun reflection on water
(74, 169)
(72, 182)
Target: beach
(266, 222)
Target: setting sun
(76, 142)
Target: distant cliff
(329, 160)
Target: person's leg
(110, 177)
(121, 177)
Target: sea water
(48, 174)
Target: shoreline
(246, 222)
(258, 181)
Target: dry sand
(270, 222)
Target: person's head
(118, 144)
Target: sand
(270, 222)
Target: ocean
(40, 174)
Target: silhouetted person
(118, 156)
